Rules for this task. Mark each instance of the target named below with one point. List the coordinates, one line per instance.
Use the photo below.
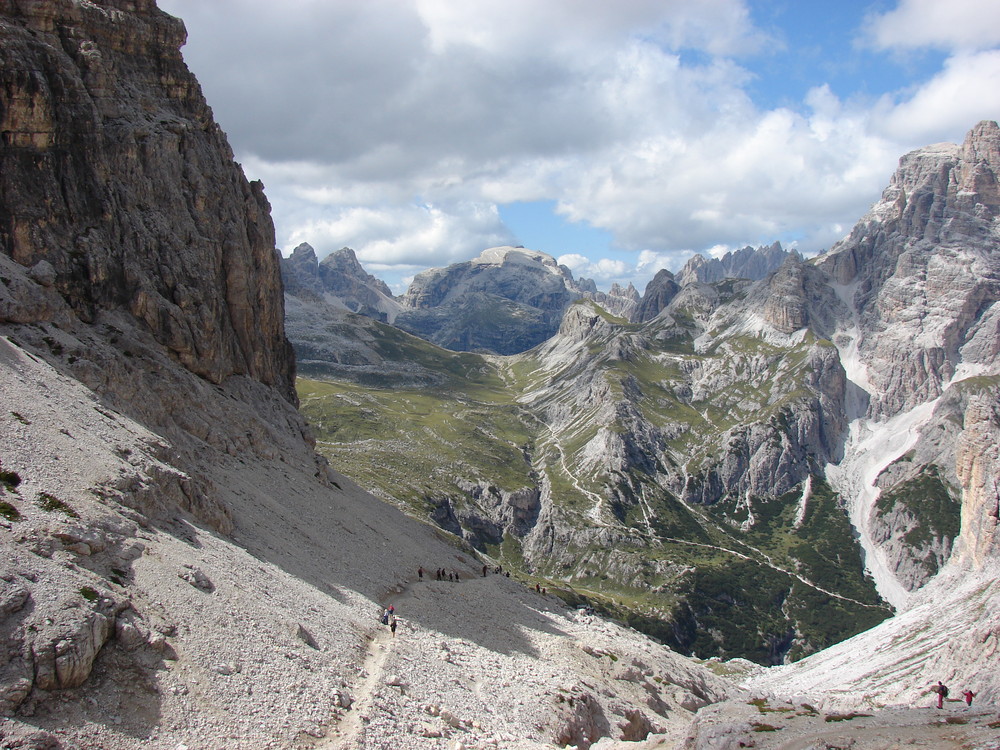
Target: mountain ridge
(504, 301)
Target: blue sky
(620, 138)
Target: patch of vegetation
(19, 417)
(928, 498)
(9, 512)
(766, 708)
(759, 727)
(90, 594)
(844, 717)
(119, 577)
(9, 479)
(49, 502)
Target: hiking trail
(347, 732)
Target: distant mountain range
(505, 301)
(803, 425)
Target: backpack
(944, 691)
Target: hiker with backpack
(942, 693)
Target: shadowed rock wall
(116, 179)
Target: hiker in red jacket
(968, 695)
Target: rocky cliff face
(119, 187)
(922, 271)
(920, 275)
(660, 291)
(140, 297)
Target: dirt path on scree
(346, 734)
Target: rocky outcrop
(139, 283)
(114, 175)
(338, 280)
(659, 293)
(797, 296)
(977, 460)
(621, 302)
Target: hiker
(942, 693)
(385, 617)
(456, 575)
(538, 589)
(420, 573)
(392, 611)
(484, 571)
(392, 626)
(968, 695)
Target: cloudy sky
(618, 136)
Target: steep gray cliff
(114, 175)
(140, 296)
(922, 269)
(921, 273)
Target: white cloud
(575, 262)
(951, 25)
(965, 92)
(650, 261)
(517, 27)
(407, 236)
(748, 181)
(396, 126)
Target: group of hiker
(389, 618)
(443, 574)
(942, 693)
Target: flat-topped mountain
(504, 301)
